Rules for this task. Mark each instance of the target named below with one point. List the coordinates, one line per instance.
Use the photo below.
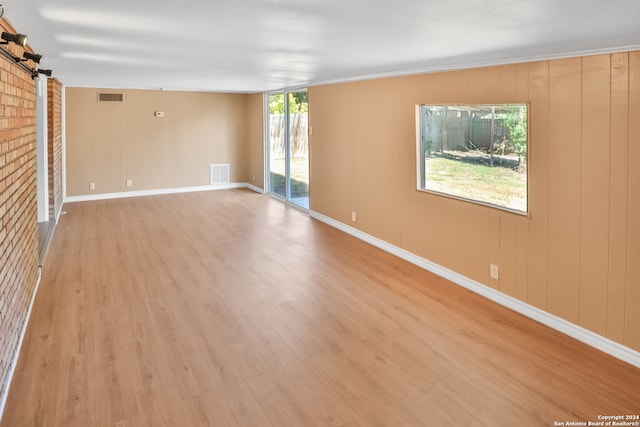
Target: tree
(516, 122)
(276, 104)
(298, 103)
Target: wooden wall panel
(618, 187)
(576, 253)
(522, 82)
(632, 300)
(452, 245)
(480, 86)
(404, 161)
(507, 83)
(331, 186)
(494, 245)
(372, 184)
(432, 215)
(522, 260)
(594, 195)
(565, 124)
(508, 235)
(474, 239)
(539, 152)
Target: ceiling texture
(266, 45)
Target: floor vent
(220, 174)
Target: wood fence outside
(459, 132)
(299, 135)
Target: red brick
(18, 220)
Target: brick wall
(18, 209)
(54, 144)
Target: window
(474, 152)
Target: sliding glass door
(298, 117)
(277, 146)
(289, 147)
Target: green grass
(298, 188)
(496, 185)
(299, 177)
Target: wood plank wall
(577, 255)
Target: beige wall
(256, 140)
(576, 256)
(110, 142)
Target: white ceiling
(262, 45)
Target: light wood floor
(229, 309)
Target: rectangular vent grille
(110, 97)
(219, 174)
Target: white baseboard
(124, 194)
(14, 362)
(255, 188)
(581, 334)
(57, 215)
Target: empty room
(280, 213)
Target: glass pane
(299, 148)
(476, 152)
(277, 145)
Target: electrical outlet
(354, 217)
(253, 177)
(92, 186)
(494, 272)
(129, 183)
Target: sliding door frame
(287, 143)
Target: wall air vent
(111, 97)
(219, 174)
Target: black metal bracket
(18, 62)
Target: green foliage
(516, 121)
(298, 188)
(276, 104)
(298, 103)
(501, 186)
